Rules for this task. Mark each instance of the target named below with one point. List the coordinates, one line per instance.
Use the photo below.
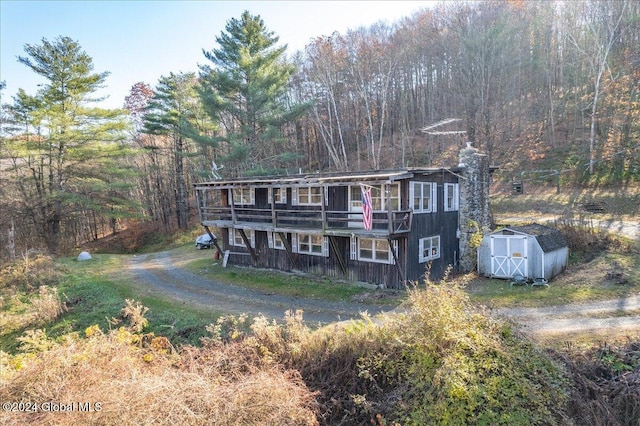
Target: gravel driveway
(163, 273)
(622, 315)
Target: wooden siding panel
(444, 224)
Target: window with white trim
(275, 241)
(315, 245)
(423, 197)
(278, 194)
(372, 250)
(379, 199)
(451, 197)
(310, 195)
(429, 248)
(235, 238)
(244, 196)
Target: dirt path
(621, 315)
(162, 272)
(627, 228)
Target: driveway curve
(164, 273)
(161, 273)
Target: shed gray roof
(550, 239)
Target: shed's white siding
(502, 254)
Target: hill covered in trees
(538, 86)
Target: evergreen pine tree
(244, 89)
(65, 152)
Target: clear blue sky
(143, 40)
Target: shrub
(40, 310)
(606, 385)
(47, 306)
(29, 273)
(135, 312)
(463, 367)
(583, 238)
(442, 361)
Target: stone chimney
(475, 218)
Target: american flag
(367, 209)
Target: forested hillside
(536, 85)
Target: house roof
(550, 239)
(332, 177)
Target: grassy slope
(95, 291)
(620, 203)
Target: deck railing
(395, 221)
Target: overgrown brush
(466, 368)
(606, 388)
(29, 273)
(28, 293)
(39, 310)
(583, 238)
(441, 362)
(131, 378)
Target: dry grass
(28, 292)
(44, 307)
(28, 273)
(142, 379)
(606, 387)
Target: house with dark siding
(314, 223)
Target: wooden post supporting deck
(231, 204)
(387, 188)
(288, 249)
(395, 258)
(323, 212)
(247, 244)
(214, 240)
(338, 254)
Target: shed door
(509, 256)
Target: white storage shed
(533, 251)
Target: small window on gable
(451, 197)
(429, 248)
(423, 197)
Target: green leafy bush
(442, 361)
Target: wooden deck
(338, 223)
